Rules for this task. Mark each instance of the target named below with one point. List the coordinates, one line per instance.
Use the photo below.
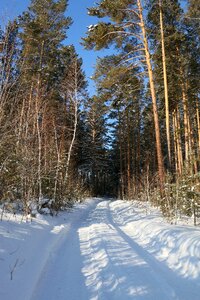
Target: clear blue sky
(78, 11)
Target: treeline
(150, 87)
(46, 120)
(138, 137)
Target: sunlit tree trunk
(179, 144)
(121, 177)
(153, 95)
(198, 128)
(38, 122)
(73, 95)
(58, 162)
(167, 116)
(175, 142)
(186, 129)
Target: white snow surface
(101, 249)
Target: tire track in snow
(113, 269)
(99, 261)
(61, 273)
(99, 269)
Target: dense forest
(137, 138)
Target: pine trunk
(167, 117)
(186, 130)
(198, 128)
(153, 95)
(74, 100)
(38, 129)
(177, 142)
(121, 185)
(128, 159)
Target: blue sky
(78, 11)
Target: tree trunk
(198, 128)
(179, 145)
(186, 129)
(167, 116)
(38, 122)
(128, 159)
(58, 162)
(121, 185)
(177, 142)
(74, 98)
(153, 95)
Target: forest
(138, 137)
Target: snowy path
(104, 250)
(99, 260)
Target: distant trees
(120, 89)
(95, 161)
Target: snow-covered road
(114, 250)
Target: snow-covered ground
(103, 250)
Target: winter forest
(100, 170)
(137, 137)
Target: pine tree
(166, 39)
(192, 54)
(179, 44)
(94, 164)
(44, 28)
(127, 27)
(120, 89)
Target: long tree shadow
(177, 245)
(113, 267)
(184, 288)
(99, 261)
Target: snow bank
(177, 246)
